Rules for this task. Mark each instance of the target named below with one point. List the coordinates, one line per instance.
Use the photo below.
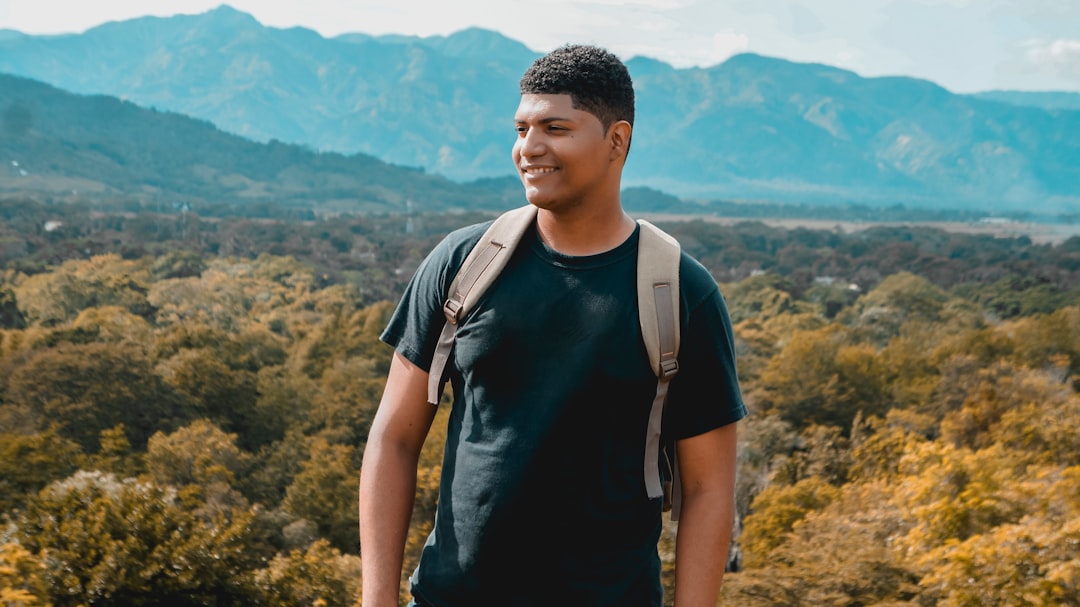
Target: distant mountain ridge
(1047, 100)
(93, 147)
(752, 127)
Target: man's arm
(388, 479)
(707, 474)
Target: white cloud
(58, 16)
(1060, 57)
(726, 44)
(965, 45)
(654, 4)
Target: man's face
(563, 155)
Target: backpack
(658, 305)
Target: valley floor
(1039, 233)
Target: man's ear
(619, 137)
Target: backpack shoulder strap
(659, 256)
(658, 297)
(481, 267)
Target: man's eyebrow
(545, 120)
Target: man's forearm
(701, 548)
(387, 492)
(707, 464)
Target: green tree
(349, 394)
(898, 300)
(284, 400)
(1051, 341)
(878, 444)
(29, 462)
(178, 264)
(115, 455)
(10, 316)
(197, 454)
(324, 492)
(763, 440)
(1031, 562)
(1044, 429)
(836, 554)
(910, 373)
(22, 582)
(817, 378)
(87, 388)
(997, 390)
(1018, 295)
(275, 466)
(832, 297)
(776, 511)
(223, 394)
(113, 324)
(106, 280)
(757, 341)
(342, 331)
(113, 542)
(220, 298)
(319, 575)
(763, 296)
(820, 452)
(284, 270)
(249, 348)
(953, 493)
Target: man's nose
(531, 143)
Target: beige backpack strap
(658, 308)
(480, 269)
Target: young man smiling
(541, 500)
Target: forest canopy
(184, 401)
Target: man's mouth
(538, 170)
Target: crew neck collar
(627, 247)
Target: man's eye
(521, 130)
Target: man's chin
(537, 198)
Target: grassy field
(1042, 233)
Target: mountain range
(750, 128)
(97, 147)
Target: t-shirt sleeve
(414, 328)
(705, 393)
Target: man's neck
(584, 231)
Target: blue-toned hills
(753, 127)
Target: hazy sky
(963, 45)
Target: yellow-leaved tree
(22, 581)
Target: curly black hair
(596, 80)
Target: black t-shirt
(542, 499)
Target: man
(541, 499)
